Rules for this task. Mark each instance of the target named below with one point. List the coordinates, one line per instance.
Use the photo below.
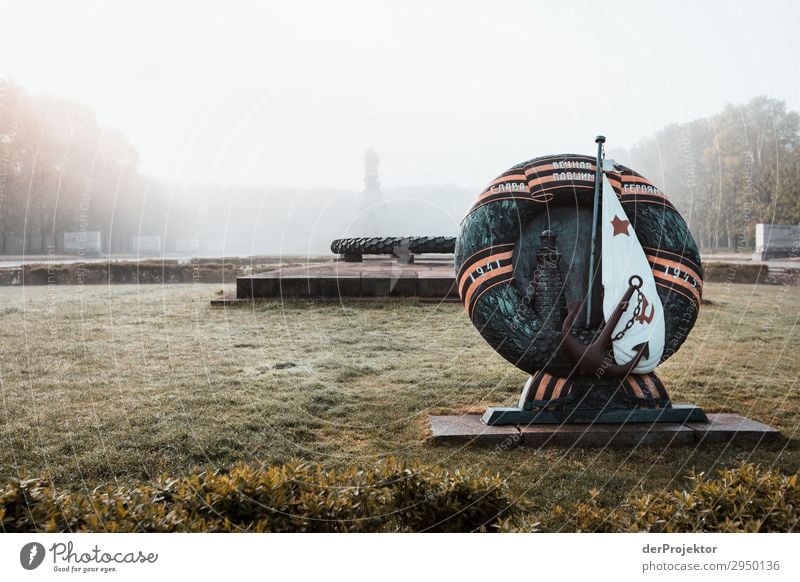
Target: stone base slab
(721, 428)
(678, 413)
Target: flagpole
(598, 184)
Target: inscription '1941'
(480, 271)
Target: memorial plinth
(721, 428)
(427, 279)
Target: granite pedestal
(721, 428)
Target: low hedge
(143, 272)
(735, 273)
(746, 498)
(391, 496)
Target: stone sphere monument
(580, 271)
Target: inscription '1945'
(678, 273)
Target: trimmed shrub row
(746, 498)
(297, 497)
(391, 496)
(145, 272)
(735, 273)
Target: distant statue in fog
(372, 181)
(370, 220)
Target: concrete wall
(82, 242)
(776, 240)
(150, 244)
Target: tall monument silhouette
(370, 221)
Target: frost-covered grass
(105, 384)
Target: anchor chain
(629, 324)
(636, 282)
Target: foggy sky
(293, 93)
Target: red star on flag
(620, 226)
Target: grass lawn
(108, 384)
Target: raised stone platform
(427, 278)
(721, 428)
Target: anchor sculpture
(606, 236)
(593, 356)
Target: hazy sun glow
(292, 93)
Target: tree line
(61, 171)
(729, 171)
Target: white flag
(623, 257)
